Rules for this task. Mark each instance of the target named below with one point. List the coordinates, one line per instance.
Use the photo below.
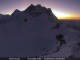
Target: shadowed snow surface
(29, 33)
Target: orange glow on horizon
(65, 16)
(69, 18)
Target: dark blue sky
(66, 6)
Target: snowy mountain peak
(31, 7)
(16, 12)
(36, 8)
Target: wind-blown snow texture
(33, 32)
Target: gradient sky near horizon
(63, 9)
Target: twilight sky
(61, 8)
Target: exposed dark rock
(72, 58)
(25, 20)
(78, 44)
(23, 59)
(60, 38)
(42, 58)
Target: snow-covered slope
(33, 32)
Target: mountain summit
(35, 11)
(38, 10)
